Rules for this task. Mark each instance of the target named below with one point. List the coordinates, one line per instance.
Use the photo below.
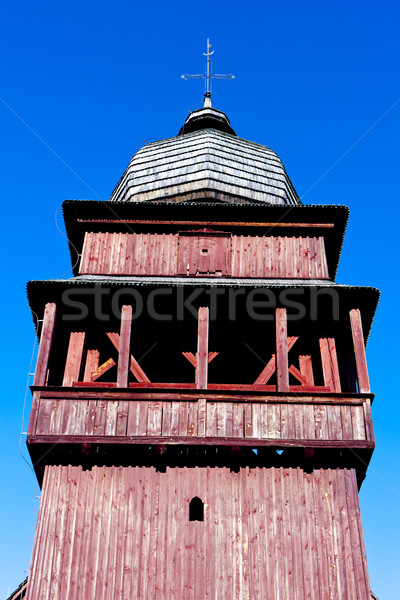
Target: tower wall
(197, 253)
(124, 532)
(201, 415)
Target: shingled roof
(206, 155)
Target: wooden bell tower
(201, 416)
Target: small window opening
(196, 509)
(204, 250)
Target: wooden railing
(167, 416)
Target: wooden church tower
(201, 416)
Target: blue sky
(83, 85)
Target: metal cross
(208, 76)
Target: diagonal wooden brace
(134, 365)
(192, 358)
(270, 367)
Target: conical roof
(206, 160)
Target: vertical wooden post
(305, 363)
(124, 346)
(282, 366)
(330, 365)
(46, 339)
(359, 351)
(74, 357)
(202, 348)
(92, 363)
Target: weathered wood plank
(193, 419)
(74, 357)
(106, 366)
(46, 338)
(202, 348)
(270, 367)
(124, 346)
(202, 415)
(321, 422)
(330, 365)
(92, 364)
(335, 423)
(359, 350)
(282, 373)
(368, 420)
(238, 417)
(134, 365)
(274, 421)
(166, 418)
(154, 418)
(357, 419)
(190, 394)
(306, 369)
(122, 417)
(211, 419)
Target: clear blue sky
(94, 80)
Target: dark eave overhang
(41, 292)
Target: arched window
(196, 509)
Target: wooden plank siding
(124, 532)
(170, 254)
(309, 420)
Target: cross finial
(208, 76)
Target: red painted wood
(202, 348)
(270, 367)
(203, 254)
(306, 369)
(191, 395)
(282, 373)
(74, 357)
(111, 421)
(101, 369)
(134, 365)
(46, 338)
(124, 346)
(91, 365)
(330, 364)
(368, 420)
(359, 350)
(108, 530)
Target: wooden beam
(74, 357)
(334, 364)
(124, 346)
(106, 366)
(330, 366)
(134, 365)
(282, 366)
(208, 223)
(306, 369)
(192, 358)
(298, 394)
(270, 367)
(91, 365)
(152, 440)
(202, 348)
(267, 372)
(211, 356)
(359, 351)
(46, 339)
(296, 373)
